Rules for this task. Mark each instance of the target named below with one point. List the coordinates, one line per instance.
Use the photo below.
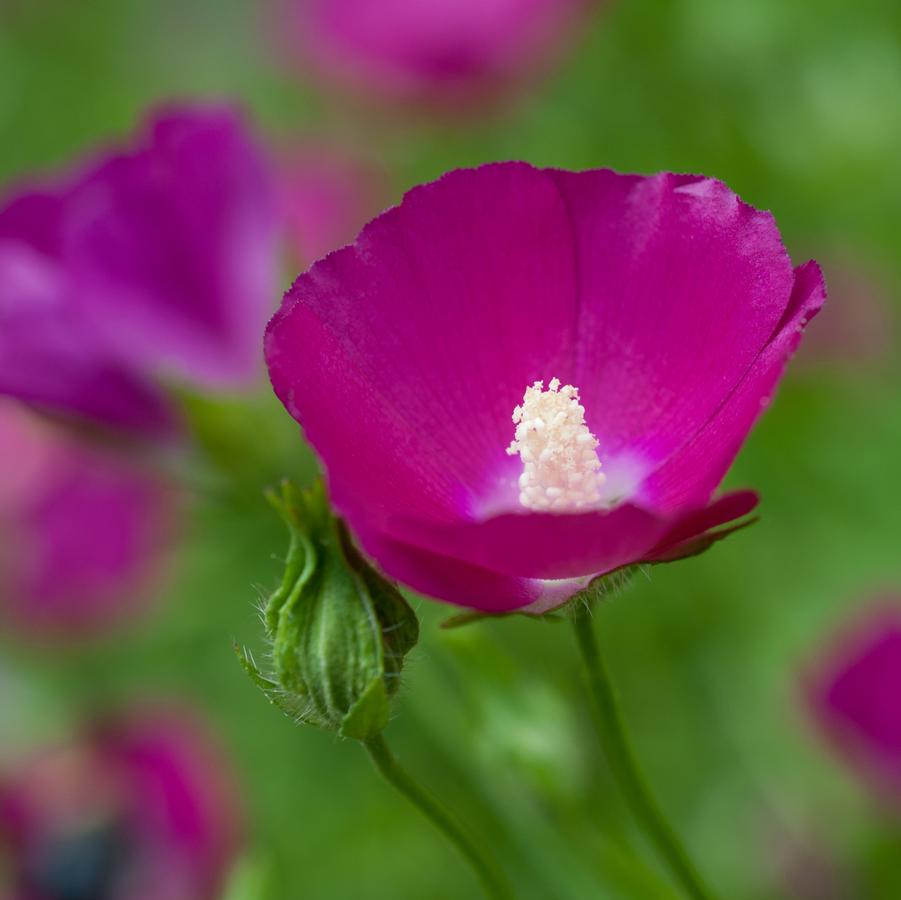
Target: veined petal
(404, 355)
(680, 285)
(694, 471)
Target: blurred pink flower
(803, 863)
(157, 260)
(83, 530)
(443, 50)
(671, 304)
(144, 806)
(854, 692)
(861, 330)
(325, 198)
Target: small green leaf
(369, 715)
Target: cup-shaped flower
(83, 530)
(854, 693)
(435, 50)
(154, 260)
(144, 806)
(338, 630)
(521, 379)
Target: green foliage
(338, 631)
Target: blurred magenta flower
(854, 693)
(142, 807)
(154, 261)
(325, 197)
(444, 50)
(861, 330)
(671, 304)
(83, 530)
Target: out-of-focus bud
(338, 630)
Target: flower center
(560, 467)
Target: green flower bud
(338, 630)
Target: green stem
(493, 882)
(625, 768)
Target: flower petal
(549, 546)
(695, 470)
(461, 583)
(85, 550)
(694, 533)
(681, 284)
(404, 355)
(52, 359)
(174, 247)
(543, 545)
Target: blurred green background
(797, 106)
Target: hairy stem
(625, 768)
(492, 881)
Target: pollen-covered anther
(560, 466)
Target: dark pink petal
(404, 355)
(53, 359)
(854, 693)
(147, 800)
(33, 217)
(83, 532)
(430, 48)
(680, 286)
(695, 470)
(530, 558)
(542, 545)
(694, 532)
(180, 801)
(173, 247)
(462, 583)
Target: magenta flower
(159, 260)
(51, 355)
(143, 807)
(83, 531)
(854, 693)
(521, 379)
(436, 49)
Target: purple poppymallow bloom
(521, 379)
(443, 50)
(51, 355)
(157, 260)
(83, 530)
(854, 693)
(144, 806)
